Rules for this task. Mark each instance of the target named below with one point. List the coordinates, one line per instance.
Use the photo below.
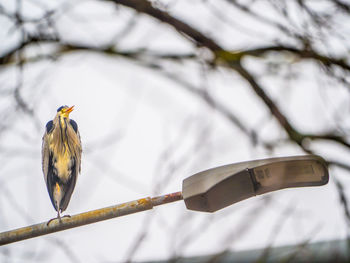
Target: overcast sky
(143, 133)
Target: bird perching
(61, 158)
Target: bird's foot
(52, 219)
(59, 217)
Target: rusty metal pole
(87, 218)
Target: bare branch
(144, 6)
(306, 53)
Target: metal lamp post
(207, 191)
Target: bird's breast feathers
(64, 164)
(66, 153)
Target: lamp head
(219, 187)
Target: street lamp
(206, 191)
(219, 187)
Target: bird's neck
(63, 122)
(61, 134)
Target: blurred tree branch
(229, 58)
(233, 61)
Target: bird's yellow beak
(65, 111)
(70, 109)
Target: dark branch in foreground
(233, 61)
(230, 59)
(146, 7)
(90, 217)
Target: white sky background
(138, 128)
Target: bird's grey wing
(45, 155)
(45, 150)
(51, 179)
(76, 130)
(74, 168)
(74, 125)
(80, 152)
(47, 163)
(69, 185)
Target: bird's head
(64, 111)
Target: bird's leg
(59, 215)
